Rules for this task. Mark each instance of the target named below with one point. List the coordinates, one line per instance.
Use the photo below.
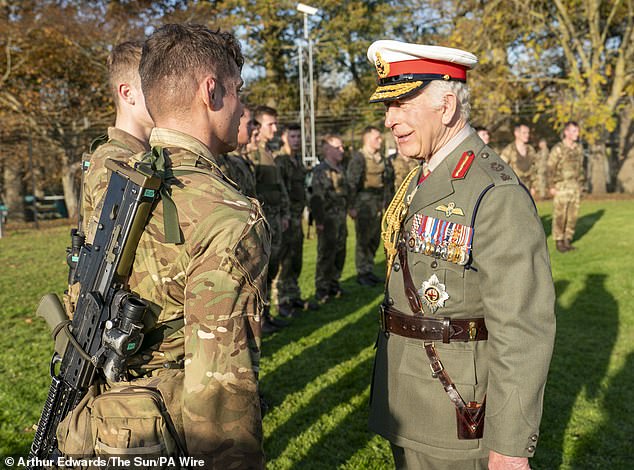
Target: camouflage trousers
(565, 212)
(274, 219)
(331, 252)
(290, 264)
(367, 225)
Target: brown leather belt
(431, 329)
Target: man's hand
(503, 462)
(352, 213)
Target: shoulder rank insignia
(463, 165)
(433, 293)
(450, 209)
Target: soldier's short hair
(570, 124)
(123, 66)
(176, 57)
(517, 126)
(327, 138)
(261, 110)
(368, 129)
(292, 127)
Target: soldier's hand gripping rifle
(108, 319)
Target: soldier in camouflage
(329, 203)
(371, 184)
(271, 192)
(289, 160)
(521, 157)
(214, 277)
(565, 167)
(402, 166)
(541, 165)
(235, 165)
(131, 129)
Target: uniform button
(390, 301)
(397, 267)
(485, 155)
(531, 449)
(534, 438)
(434, 264)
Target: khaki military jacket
(119, 146)
(525, 167)
(506, 280)
(565, 166)
(215, 280)
(365, 175)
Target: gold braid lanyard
(393, 220)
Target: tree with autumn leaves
(548, 61)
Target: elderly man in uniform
(329, 203)
(565, 167)
(467, 322)
(370, 179)
(202, 259)
(522, 157)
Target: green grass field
(316, 373)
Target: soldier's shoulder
(489, 167)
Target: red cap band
(428, 66)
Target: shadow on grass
(603, 448)
(586, 222)
(586, 333)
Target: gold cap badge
(382, 67)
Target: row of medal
(440, 238)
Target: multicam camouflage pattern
(541, 174)
(215, 280)
(371, 188)
(240, 170)
(120, 146)
(293, 174)
(565, 167)
(271, 192)
(329, 204)
(402, 166)
(524, 166)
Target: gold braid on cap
(392, 221)
(396, 90)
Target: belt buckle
(473, 331)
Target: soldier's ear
(208, 91)
(126, 93)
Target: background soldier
(131, 128)
(521, 156)
(477, 301)
(289, 160)
(201, 262)
(541, 166)
(329, 203)
(565, 167)
(484, 134)
(371, 184)
(235, 164)
(271, 192)
(402, 166)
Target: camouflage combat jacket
(523, 166)
(293, 174)
(214, 280)
(364, 174)
(330, 192)
(240, 170)
(565, 166)
(119, 146)
(269, 186)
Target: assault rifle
(108, 319)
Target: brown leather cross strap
(432, 329)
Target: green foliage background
(316, 373)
